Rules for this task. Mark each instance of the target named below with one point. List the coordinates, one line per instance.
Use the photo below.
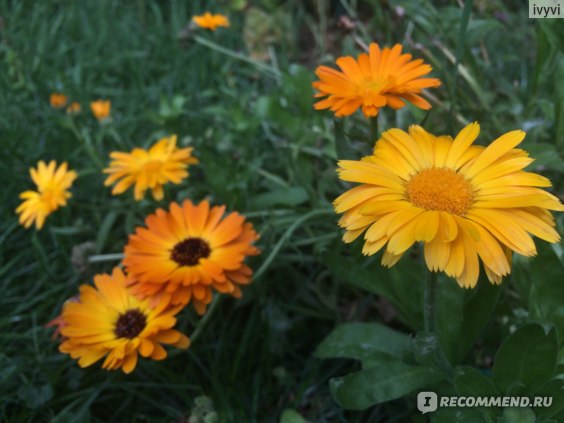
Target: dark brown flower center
(190, 251)
(130, 324)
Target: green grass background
(265, 152)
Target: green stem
(84, 138)
(430, 320)
(373, 130)
(204, 321)
(430, 302)
(269, 70)
(105, 257)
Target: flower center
(190, 251)
(130, 324)
(442, 190)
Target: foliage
(320, 321)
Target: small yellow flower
(211, 22)
(149, 169)
(58, 100)
(73, 108)
(108, 321)
(380, 78)
(101, 109)
(465, 202)
(52, 185)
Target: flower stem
(204, 321)
(430, 302)
(430, 320)
(105, 257)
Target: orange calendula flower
(73, 108)
(101, 109)
(58, 100)
(377, 79)
(464, 202)
(107, 321)
(211, 22)
(52, 192)
(149, 169)
(188, 251)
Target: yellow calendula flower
(464, 202)
(107, 321)
(73, 108)
(58, 100)
(375, 80)
(101, 109)
(52, 192)
(211, 22)
(149, 169)
(188, 251)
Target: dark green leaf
(527, 357)
(362, 340)
(360, 390)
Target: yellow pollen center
(440, 190)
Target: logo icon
(426, 402)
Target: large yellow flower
(52, 185)
(107, 321)
(463, 201)
(149, 169)
(211, 22)
(188, 251)
(377, 79)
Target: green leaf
(526, 358)
(518, 415)
(458, 415)
(362, 340)
(291, 416)
(469, 381)
(554, 389)
(450, 300)
(365, 388)
(479, 305)
(402, 285)
(281, 197)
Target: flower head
(377, 79)
(73, 108)
(149, 169)
(211, 22)
(463, 201)
(107, 321)
(52, 192)
(58, 100)
(101, 109)
(188, 251)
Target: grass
(263, 150)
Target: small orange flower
(58, 100)
(101, 109)
(188, 251)
(73, 108)
(377, 79)
(211, 22)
